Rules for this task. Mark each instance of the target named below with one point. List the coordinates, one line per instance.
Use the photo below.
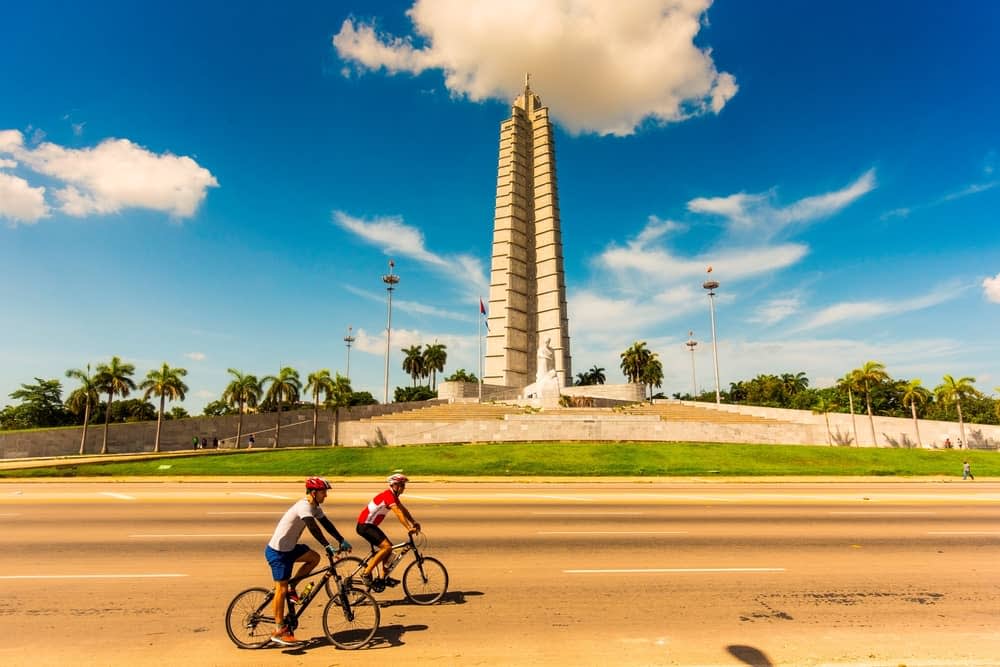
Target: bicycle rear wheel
(345, 567)
(351, 625)
(425, 581)
(250, 618)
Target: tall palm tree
(317, 382)
(634, 360)
(652, 374)
(413, 362)
(583, 379)
(168, 385)
(953, 391)
(824, 406)
(850, 383)
(870, 374)
(115, 378)
(338, 397)
(596, 374)
(87, 394)
(284, 386)
(244, 392)
(435, 357)
(915, 394)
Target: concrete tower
(527, 282)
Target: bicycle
(425, 580)
(350, 619)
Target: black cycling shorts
(372, 533)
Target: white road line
(410, 495)
(584, 499)
(247, 512)
(89, 576)
(120, 496)
(211, 535)
(264, 495)
(876, 513)
(612, 532)
(8, 514)
(585, 513)
(676, 570)
(963, 532)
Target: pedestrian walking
(194, 442)
(215, 443)
(967, 471)
(250, 441)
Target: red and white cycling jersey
(377, 508)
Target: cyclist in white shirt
(283, 550)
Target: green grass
(550, 459)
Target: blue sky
(218, 187)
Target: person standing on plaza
(967, 471)
(250, 441)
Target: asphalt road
(587, 573)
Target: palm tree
(87, 394)
(870, 374)
(317, 382)
(115, 378)
(913, 395)
(339, 396)
(850, 383)
(597, 376)
(793, 384)
(434, 360)
(634, 360)
(167, 384)
(284, 386)
(652, 374)
(244, 392)
(953, 391)
(996, 404)
(582, 379)
(825, 406)
(413, 362)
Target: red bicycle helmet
(316, 484)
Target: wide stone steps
(454, 412)
(674, 412)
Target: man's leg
(384, 549)
(280, 591)
(309, 560)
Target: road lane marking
(264, 495)
(583, 499)
(89, 576)
(676, 570)
(410, 495)
(586, 513)
(185, 535)
(963, 532)
(9, 514)
(612, 532)
(120, 496)
(876, 512)
(246, 512)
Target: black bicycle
(425, 580)
(350, 618)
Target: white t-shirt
(289, 529)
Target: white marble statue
(546, 385)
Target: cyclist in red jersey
(371, 516)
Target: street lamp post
(390, 281)
(349, 339)
(711, 286)
(691, 344)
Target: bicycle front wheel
(350, 622)
(425, 581)
(344, 567)
(250, 618)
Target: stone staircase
(677, 412)
(454, 412)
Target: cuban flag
(482, 311)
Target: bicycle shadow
(749, 655)
(388, 636)
(449, 598)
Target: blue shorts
(282, 562)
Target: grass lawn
(588, 459)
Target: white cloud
(775, 311)
(415, 307)
(114, 175)
(757, 212)
(19, 201)
(865, 310)
(396, 238)
(7, 164)
(602, 67)
(991, 288)
(195, 356)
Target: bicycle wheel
(250, 618)
(345, 567)
(351, 626)
(425, 581)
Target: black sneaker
(367, 580)
(390, 582)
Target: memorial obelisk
(527, 281)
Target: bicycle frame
(294, 611)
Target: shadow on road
(749, 655)
(451, 597)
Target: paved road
(679, 573)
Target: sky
(221, 185)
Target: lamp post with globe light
(711, 286)
(349, 339)
(390, 280)
(691, 344)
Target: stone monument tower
(527, 282)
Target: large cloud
(602, 66)
(19, 202)
(991, 288)
(114, 175)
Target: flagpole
(479, 338)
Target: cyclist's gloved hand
(345, 545)
(330, 549)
